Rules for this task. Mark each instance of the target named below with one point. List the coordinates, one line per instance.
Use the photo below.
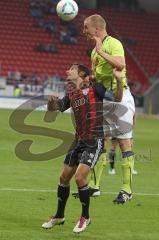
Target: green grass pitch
(24, 206)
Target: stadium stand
(20, 37)
(21, 34)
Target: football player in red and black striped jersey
(86, 101)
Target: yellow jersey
(102, 70)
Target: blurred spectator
(53, 48)
(48, 48)
(54, 82)
(17, 76)
(41, 23)
(17, 91)
(36, 10)
(23, 77)
(14, 77)
(45, 77)
(39, 8)
(49, 26)
(66, 38)
(10, 77)
(56, 77)
(33, 78)
(72, 30)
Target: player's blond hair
(97, 21)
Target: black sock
(112, 156)
(62, 194)
(85, 200)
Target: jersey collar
(105, 38)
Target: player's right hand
(118, 74)
(99, 47)
(53, 103)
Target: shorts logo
(89, 161)
(91, 155)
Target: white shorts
(118, 117)
(127, 101)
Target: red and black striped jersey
(87, 106)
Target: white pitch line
(25, 190)
(54, 191)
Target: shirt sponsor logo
(79, 102)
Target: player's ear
(87, 79)
(81, 74)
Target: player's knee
(64, 179)
(121, 144)
(79, 179)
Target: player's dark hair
(83, 68)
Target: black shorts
(114, 138)
(86, 152)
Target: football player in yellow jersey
(107, 55)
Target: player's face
(73, 79)
(89, 30)
(72, 74)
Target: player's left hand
(99, 48)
